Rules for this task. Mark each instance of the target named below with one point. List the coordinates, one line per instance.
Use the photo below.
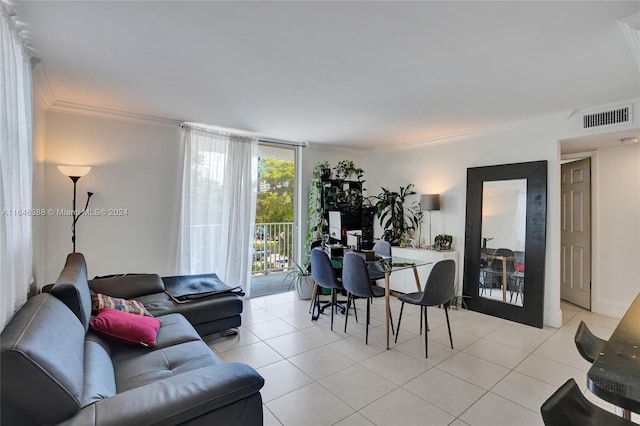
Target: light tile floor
(499, 372)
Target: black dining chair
(355, 280)
(569, 407)
(437, 291)
(587, 343)
(325, 276)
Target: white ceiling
(357, 74)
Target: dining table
(615, 374)
(391, 264)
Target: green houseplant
(301, 279)
(396, 219)
(443, 242)
(345, 169)
(322, 171)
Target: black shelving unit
(346, 197)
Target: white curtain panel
(16, 141)
(218, 206)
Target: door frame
(595, 231)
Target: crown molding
(472, 133)
(335, 149)
(106, 113)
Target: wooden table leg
(313, 296)
(415, 275)
(387, 293)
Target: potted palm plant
(301, 280)
(395, 218)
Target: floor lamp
(74, 173)
(429, 203)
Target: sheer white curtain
(218, 206)
(16, 247)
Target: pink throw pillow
(520, 267)
(130, 328)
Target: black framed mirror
(505, 240)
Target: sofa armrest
(174, 400)
(128, 286)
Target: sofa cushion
(100, 301)
(72, 288)
(99, 377)
(130, 328)
(41, 363)
(133, 372)
(175, 330)
(128, 286)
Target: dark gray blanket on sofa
(183, 288)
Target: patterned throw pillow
(101, 301)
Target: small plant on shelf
(443, 242)
(345, 169)
(322, 171)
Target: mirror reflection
(504, 214)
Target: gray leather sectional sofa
(56, 370)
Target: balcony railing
(273, 247)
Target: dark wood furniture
(615, 373)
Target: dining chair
(437, 291)
(324, 275)
(587, 343)
(381, 248)
(355, 279)
(569, 407)
(314, 244)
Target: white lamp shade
(429, 202)
(74, 171)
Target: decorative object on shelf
(443, 242)
(345, 169)
(396, 219)
(429, 203)
(322, 171)
(75, 173)
(301, 279)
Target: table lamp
(429, 203)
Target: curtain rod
(240, 133)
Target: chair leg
(333, 305)
(421, 308)
(399, 321)
(346, 317)
(366, 339)
(391, 321)
(426, 334)
(446, 313)
(355, 311)
(315, 314)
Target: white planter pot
(304, 287)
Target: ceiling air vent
(610, 117)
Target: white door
(575, 236)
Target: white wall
(135, 166)
(443, 169)
(616, 258)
